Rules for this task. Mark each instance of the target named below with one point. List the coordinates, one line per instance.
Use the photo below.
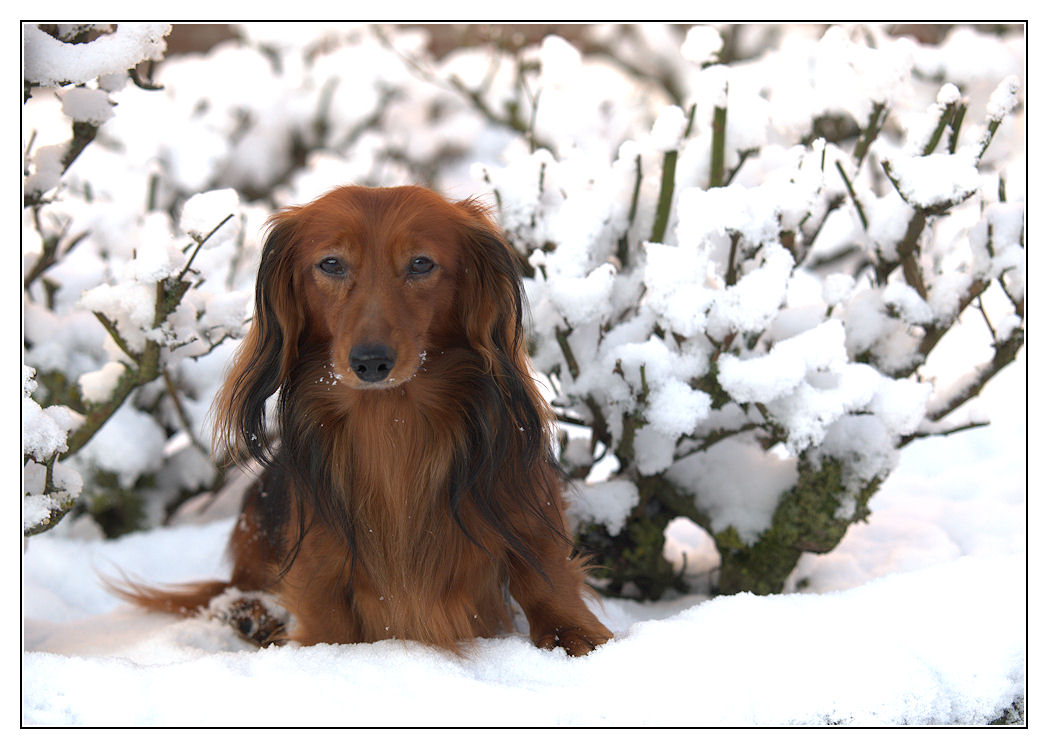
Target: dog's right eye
(332, 266)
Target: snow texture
(48, 61)
(98, 386)
(89, 105)
(608, 502)
(936, 179)
(44, 430)
(701, 45)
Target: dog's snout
(372, 362)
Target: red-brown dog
(412, 483)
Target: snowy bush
(122, 311)
(742, 248)
(739, 306)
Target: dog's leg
(247, 604)
(317, 592)
(557, 615)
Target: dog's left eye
(420, 266)
(332, 266)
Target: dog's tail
(256, 616)
(183, 600)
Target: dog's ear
(513, 439)
(268, 352)
(493, 306)
(492, 300)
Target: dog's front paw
(576, 641)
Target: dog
(411, 483)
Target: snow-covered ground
(917, 617)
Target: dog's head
(374, 278)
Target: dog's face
(379, 272)
(381, 277)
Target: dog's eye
(420, 266)
(332, 266)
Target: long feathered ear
(268, 352)
(509, 442)
(492, 298)
(493, 308)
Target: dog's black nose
(372, 362)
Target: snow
(203, 212)
(47, 169)
(903, 299)
(154, 259)
(676, 287)
(560, 62)
(783, 369)
(44, 430)
(507, 682)
(37, 504)
(677, 409)
(228, 312)
(948, 94)
(750, 304)
(90, 105)
(668, 129)
(130, 305)
(47, 62)
(837, 288)
(97, 386)
(967, 57)
(1004, 99)
(608, 502)
(752, 212)
(582, 299)
(739, 484)
(936, 179)
(701, 45)
(108, 449)
(918, 617)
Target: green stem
(946, 116)
(1004, 354)
(98, 414)
(624, 245)
(180, 409)
(955, 125)
(118, 339)
(944, 433)
(854, 197)
(987, 137)
(909, 252)
(201, 244)
(878, 116)
(720, 125)
(731, 276)
(743, 156)
(565, 349)
(57, 512)
(662, 212)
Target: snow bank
(915, 648)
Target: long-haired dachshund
(412, 483)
